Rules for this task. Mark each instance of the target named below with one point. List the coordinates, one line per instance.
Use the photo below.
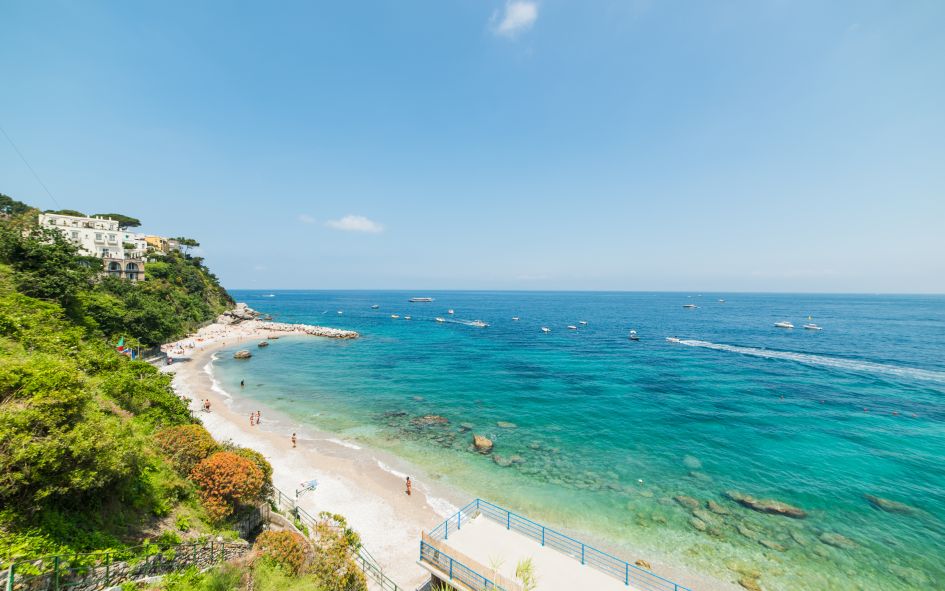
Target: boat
(450, 311)
(583, 322)
(515, 318)
(784, 324)
(545, 329)
(478, 324)
(419, 300)
(672, 339)
(438, 319)
(269, 295)
(572, 327)
(406, 317)
(341, 311)
(633, 336)
(375, 307)
(690, 306)
(812, 326)
(394, 316)
(721, 301)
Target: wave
(823, 361)
(390, 470)
(342, 443)
(214, 384)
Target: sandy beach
(365, 485)
(351, 479)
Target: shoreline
(363, 483)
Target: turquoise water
(608, 431)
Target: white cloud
(355, 223)
(306, 219)
(519, 16)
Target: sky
(492, 144)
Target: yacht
(515, 318)
(419, 300)
(438, 319)
(690, 306)
(394, 316)
(583, 322)
(545, 329)
(478, 324)
(784, 324)
(450, 311)
(812, 326)
(633, 336)
(572, 327)
(375, 307)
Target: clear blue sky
(482, 144)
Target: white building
(122, 252)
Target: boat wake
(823, 361)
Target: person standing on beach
(409, 485)
(252, 417)
(293, 440)
(242, 383)
(258, 417)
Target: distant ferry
(690, 306)
(418, 300)
(784, 324)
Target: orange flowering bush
(226, 480)
(185, 445)
(285, 549)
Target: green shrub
(285, 549)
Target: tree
(71, 212)
(11, 207)
(124, 221)
(226, 481)
(187, 243)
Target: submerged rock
(717, 509)
(464, 427)
(687, 502)
(242, 354)
(692, 462)
(837, 540)
(766, 505)
(696, 475)
(506, 425)
(772, 545)
(748, 532)
(697, 523)
(516, 459)
(429, 420)
(703, 515)
(750, 583)
(890, 506)
(482, 443)
(501, 460)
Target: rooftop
(464, 549)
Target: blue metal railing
(456, 570)
(587, 555)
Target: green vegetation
(71, 212)
(124, 221)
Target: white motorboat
(690, 306)
(633, 336)
(721, 301)
(672, 339)
(375, 307)
(478, 324)
(812, 326)
(583, 322)
(395, 316)
(341, 311)
(572, 327)
(784, 324)
(406, 317)
(450, 311)
(545, 329)
(438, 319)
(515, 318)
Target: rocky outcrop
(697, 523)
(263, 344)
(890, 506)
(766, 505)
(242, 354)
(482, 443)
(240, 313)
(837, 540)
(687, 502)
(717, 509)
(430, 420)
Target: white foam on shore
(441, 506)
(214, 384)
(822, 361)
(343, 443)
(389, 470)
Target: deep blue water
(608, 431)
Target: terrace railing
(461, 568)
(630, 574)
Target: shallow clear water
(608, 431)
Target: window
(75, 235)
(98, 236)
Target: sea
(626, 442)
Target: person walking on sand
(258, 417)
(293, 440)
(409, 485)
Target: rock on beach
(482, 443)
(766, 505)
(242, 354)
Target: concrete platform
(484, 540)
